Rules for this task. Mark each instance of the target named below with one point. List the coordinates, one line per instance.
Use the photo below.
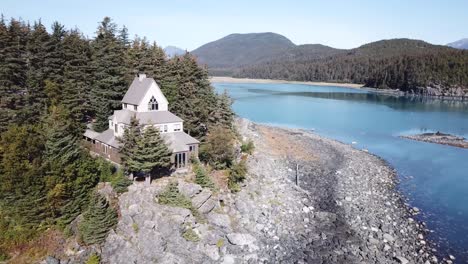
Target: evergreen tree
(223, 115)
(77, 75)
(109, 82)
(151, 153)
(62, 144)
(13, 71)
(97, 221)
(129, 142)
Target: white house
(145, 100)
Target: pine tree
(151, 154)
(129, 142)
(109, 72)
(97, 221)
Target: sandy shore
(219, 79)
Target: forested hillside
(409, 65)
(233, 51)
(52, 83)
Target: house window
(135, 107)
(105, 148)
(125, 105)
(191, 148)
(116, 128)
(177, 127)
(165, 128)
(153, 104)
(160, 128)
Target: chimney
(141, 76)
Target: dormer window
(153, 104)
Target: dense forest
(54, 83)
(408, 65)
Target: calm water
(433, 177)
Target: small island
(440, 138)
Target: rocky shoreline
(440, 138)
(343, 209)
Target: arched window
(153, 104)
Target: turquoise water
(433, 177)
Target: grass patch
(93, 259)
(248, 147)
(190, 235)
(135, 227)
(220, 243)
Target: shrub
(248, 147)
(98, 220)
(237, 175)
(190, 235)
(201, 177)
(120, 182)
(93, 259)
(218, 149)
(172, 197)
(220, 243)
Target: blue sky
(189, 24)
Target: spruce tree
(223, 115)
(129, 142)
(109, 82)
(77, 75)
(62, 137)
(151, 153)
(97, 221)
(13, 72)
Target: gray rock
(189, 189)
(52, 260)
(388, 237)
(208, 206)
(402, 260)
(211, 251)
(240, 239)
(229, 259)
(199, 199)
(221, 220)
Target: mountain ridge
(459, 44)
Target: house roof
(137, 90)
(145, 118)
(178, 141)
(91, 134)
(108, 138)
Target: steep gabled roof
(145, 118)
(137, 90)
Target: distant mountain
(413, 66)
(172, 51)
(236, 50)
(459, 44)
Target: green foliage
(93, 259)
(151, 153)
(110, 83)
(237, 175)
(407, 65)
(120, 182)
(190, 235)
(218, 148)
(135, 227)
(248, 147)
(97, 221)
(172, 197)
(201, 177)
(129, 143)
(220, 243)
